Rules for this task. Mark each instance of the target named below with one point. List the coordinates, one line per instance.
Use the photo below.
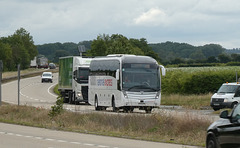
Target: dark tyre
(211, 142)
(115, 109)
(148, 110)
(70, 95)
(126, 109)
(65, 100)
(233, 104)
(216, 108)
(96, 104)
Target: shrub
(196, 82)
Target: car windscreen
(47, 75)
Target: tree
(5, 55)
(147, 50)
(27, 41)
(212, 59)
(119, 44)
(99, 46)
(223, 58)
(197, 55)
(21, 47)
(60, 53)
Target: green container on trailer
(65, 73)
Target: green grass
(187, 129)
(187, 101)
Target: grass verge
(188, 101)
(187, 130)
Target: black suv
(225, 132)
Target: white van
(227, 96)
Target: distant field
(201, 69)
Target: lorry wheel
(70, 95)
(65, 100)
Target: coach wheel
(148, 109)
(115, 109)
(96, 104)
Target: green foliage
(17, 49)
(119, 44)
(55, 50)
(169, 51)
(56, 109)
(181, 81)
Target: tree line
(55, 50)
(101, 46)
(17, 49)
(166, 52)
(176, 53)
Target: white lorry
(73, 78)
(227, 96)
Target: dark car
(52, 66)
(225, 132)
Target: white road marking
(55, 140)
(88, 144)
(50, 92)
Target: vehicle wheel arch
(234, 103)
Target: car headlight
(225, 100)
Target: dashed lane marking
(55, 140)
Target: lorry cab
(227, 96)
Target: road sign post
(18, 84)
(1, 69)
(81, 49)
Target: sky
(196, 22)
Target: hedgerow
(182, 81)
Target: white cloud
(190, 21)
(154, 16)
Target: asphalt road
(32, 92)
(15, 136)
(35, 93)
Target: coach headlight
(79, 94)
(157, 95)
(125, 94)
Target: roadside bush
(199, 82)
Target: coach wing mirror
(117, 74)
(162, 69)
